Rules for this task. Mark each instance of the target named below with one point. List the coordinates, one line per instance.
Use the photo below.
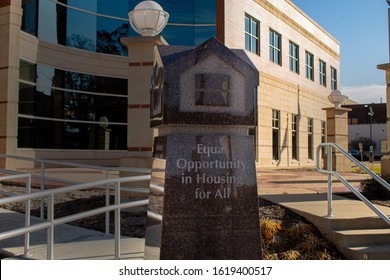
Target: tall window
(323, 136)
(310, 138)
(294, 57)
(322, 73)
(275, 134)
(294, 136)
(309, 66)
(333, 78)
(275, 47)
(252, 34)
(30, 17)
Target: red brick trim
(142, 63)
(4, 3)
(148, 63)
(140, 149)
(221, 20)
(139, 106)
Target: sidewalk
(301, 181)
(303, 191)
(70, 242)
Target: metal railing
(51, 221)
(330, 172)
(27, 206)
(43, 178)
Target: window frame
(295, 137)
(249, 34)
(322, 72)
(275, 132)
(310, 138)
(309, 60)
(275, 52)
(333, 78)
(294, 57)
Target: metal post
(50, 229)
(371, 149)
(117, 221)
(42, 189)
(27, 211)
(107, 214)
(330, 191)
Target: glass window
(190, 23)
(275, 134)
(310, 136)
(275, 47)
(322, 73)
(294, 137)
(98, 25)
(252, 27)
(333, 78)
(30, 17)
(323, 136)
(294, 57)
(52, 134)
(309, 66)
(53, 98)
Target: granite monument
(203, 201)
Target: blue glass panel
(202, 34)
(109, 31)
(247, 24)
(247, 42)
(30, 16)
(205, 11)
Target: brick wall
(221, 20)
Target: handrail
(51, 221)
(331, 173)
(27, 206)
(43, 178)
(76, 164)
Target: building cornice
(293, 24)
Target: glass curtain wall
(68, 110)
(98, 25)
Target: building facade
(64, 75)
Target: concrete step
(362, 237)
(355, 229)
(362, 223)
(377, 252)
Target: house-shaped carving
(205, 85)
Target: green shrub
(374, 190)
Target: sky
(361, 27)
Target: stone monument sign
(203, 197)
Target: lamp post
(370, 113)
(148, 18)
(336, 98)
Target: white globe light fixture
(336, 98)
(148, 18)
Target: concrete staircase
(365, 238)
(355, 229)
